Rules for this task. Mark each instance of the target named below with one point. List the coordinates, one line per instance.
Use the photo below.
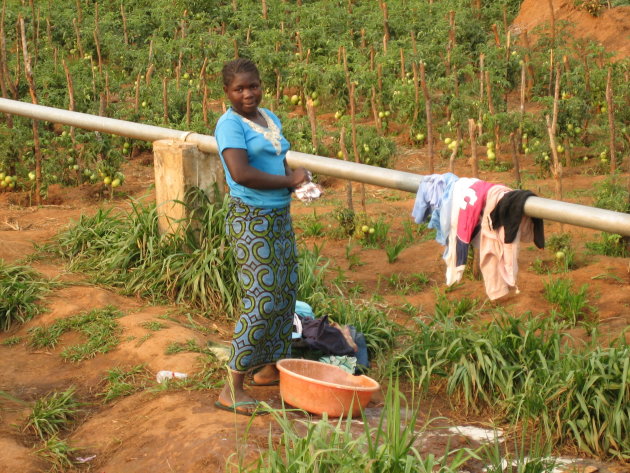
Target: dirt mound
(611, 28)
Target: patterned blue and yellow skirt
(264, 247)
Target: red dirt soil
(611, 28)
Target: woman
(258, 224)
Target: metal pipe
(563, 212)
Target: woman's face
(245, 93)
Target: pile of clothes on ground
(320, 339)
(466, 211)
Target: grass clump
(21, 290)
(57, 453)
(569, 305)
(322, 446)
(11, 341)
(122, 382)
(609, 244)
(153, 325)
(525, 370)
(612, 194)
(194, 266)
(53, 413)
(99, 326)
(188, 346)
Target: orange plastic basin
(321, 388)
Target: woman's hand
(298, 176)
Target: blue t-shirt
(266, 149)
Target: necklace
(271, 132)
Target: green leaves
(521, 368)
(21, 289)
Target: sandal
(244, 412)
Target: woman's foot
(234, 398)
(268, 375)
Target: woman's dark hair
(238, 66)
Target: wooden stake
(385, 25)
(482, 73)
(97, 34)
(102, 109)
(491, 110)
(264, 9)
(188, 96)
(402, 64)
(451, 161)
(611, 121)
(416, 88)
(451, 41)
(552, 66)
(35, 17)
(553, 24)
(377, 120)
(98, 51)
(427, 107)
(528, 63)
(165, 99)
(70, 94)
(278, 85)
(124, 22)
(353, 121)
(108, 95)
(78, 37)
(472, 133)
(149, 74)
(136, 104)
(31, 87)
(79, 12)
(344, 152)
(5, 79)
(204, 104)
(495, 31)
(551, 130)
(516, 168)
(310, 111)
